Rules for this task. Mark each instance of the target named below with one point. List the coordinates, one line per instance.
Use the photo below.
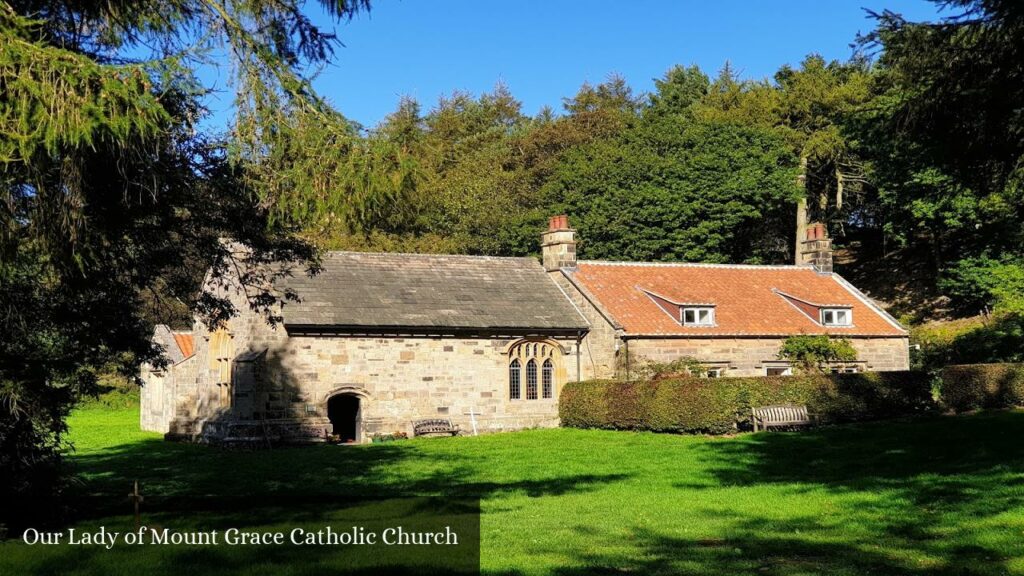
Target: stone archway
(344, 410)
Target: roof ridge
(699, 265)
(810, 302)
(426, 255)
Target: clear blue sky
(544, 50)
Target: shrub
(974, 386)
(588, 405)
(977, 340)
(720, 405)
(813, 353)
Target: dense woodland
(114, 201)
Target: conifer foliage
(114, 201)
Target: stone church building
(379, 341)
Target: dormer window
(836, 317)
(698, 316)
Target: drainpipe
(625, 344)
(579, 339)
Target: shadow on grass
(296, 483)
(778, 548)
(942, 495)
(929, 496)
(957, 463)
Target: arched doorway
(343, 412)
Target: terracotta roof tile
(746, 298)
(185, 343)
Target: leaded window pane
(547, 379)
(514, 380)
(531, 380)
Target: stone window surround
(539, 352)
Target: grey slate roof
(429, 292)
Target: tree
(671, 187)
(808, 108)
(114, 199)
(678, 90)
(943, 133)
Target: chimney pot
(558, 244)
(817, 249)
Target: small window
(843, 370)
(836, 317)
(714, 373)
(779, 371)
(514, 380)
(704, 316)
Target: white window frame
(697, 310)
(786, 370)
(844, 369)
(714, 372)
(847, 312)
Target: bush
(721, 405)
(969, 341)
(974, 386)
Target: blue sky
(544, 50)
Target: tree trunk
(839, 190)
(801, 212)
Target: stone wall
(751, 356)
(157, 386)
(164, 393)
(599, 349)
(399, 380)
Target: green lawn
(935, 496)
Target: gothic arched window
(547, 378)
(221, 351)
(542, 356)
(531, 380)
(514, 380)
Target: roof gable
(178, 346)
(429, 293)
(748, 300)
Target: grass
(936, 496)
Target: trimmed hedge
(720, 405)
(973, 386)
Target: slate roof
(423, 292)
(748, 300)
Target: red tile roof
(185, 343)
(747, 299)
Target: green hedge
(719, 405)
(974, 386)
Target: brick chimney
(816, 249)
(558, 244)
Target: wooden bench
(434, 426)
(780, 416)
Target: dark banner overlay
(394, 536)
